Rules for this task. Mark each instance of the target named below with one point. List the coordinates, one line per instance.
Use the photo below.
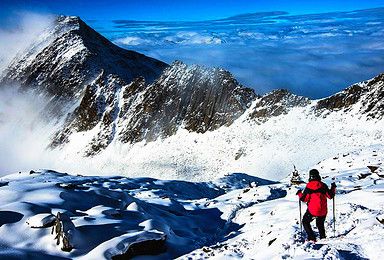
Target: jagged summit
(73, 54)
(102, 96)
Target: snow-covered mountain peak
(199, 73)
(73, 55)
(119, 106)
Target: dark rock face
(373, 103)
(98, 106)
(195, 98)
(276, 103)
(343, 99)
(145, 247)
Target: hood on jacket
(314, 185)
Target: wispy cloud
(23, 29)
(23, 137)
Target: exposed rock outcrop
(64, 231)
(147, 243)
(276, 103)
(367, 95)
(196, 98)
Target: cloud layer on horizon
(311, 55)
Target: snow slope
(234, 216)
(266, 149)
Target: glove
(333, 185)
(298, 192)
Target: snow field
(235, 216)
(271, 230)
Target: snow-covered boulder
(43, 220)
(134, 244)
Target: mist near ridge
(23, 135)
(311, 55)
(20, 32)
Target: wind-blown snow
(23, 135)
(27, 29)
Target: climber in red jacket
(315, 195)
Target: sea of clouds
(311, 55)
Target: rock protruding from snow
(3, 183)
(65, 230)
(295, 178)
(143, 243)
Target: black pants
(307, 219)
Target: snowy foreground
(231, 217)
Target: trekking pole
(301, 226)
(334, 218)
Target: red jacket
(316, 194)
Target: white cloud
(23, 29)
(133, 41)
(23, 135)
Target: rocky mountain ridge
(367, 97)
(196, 98)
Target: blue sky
(311, 55)
(190, 10)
